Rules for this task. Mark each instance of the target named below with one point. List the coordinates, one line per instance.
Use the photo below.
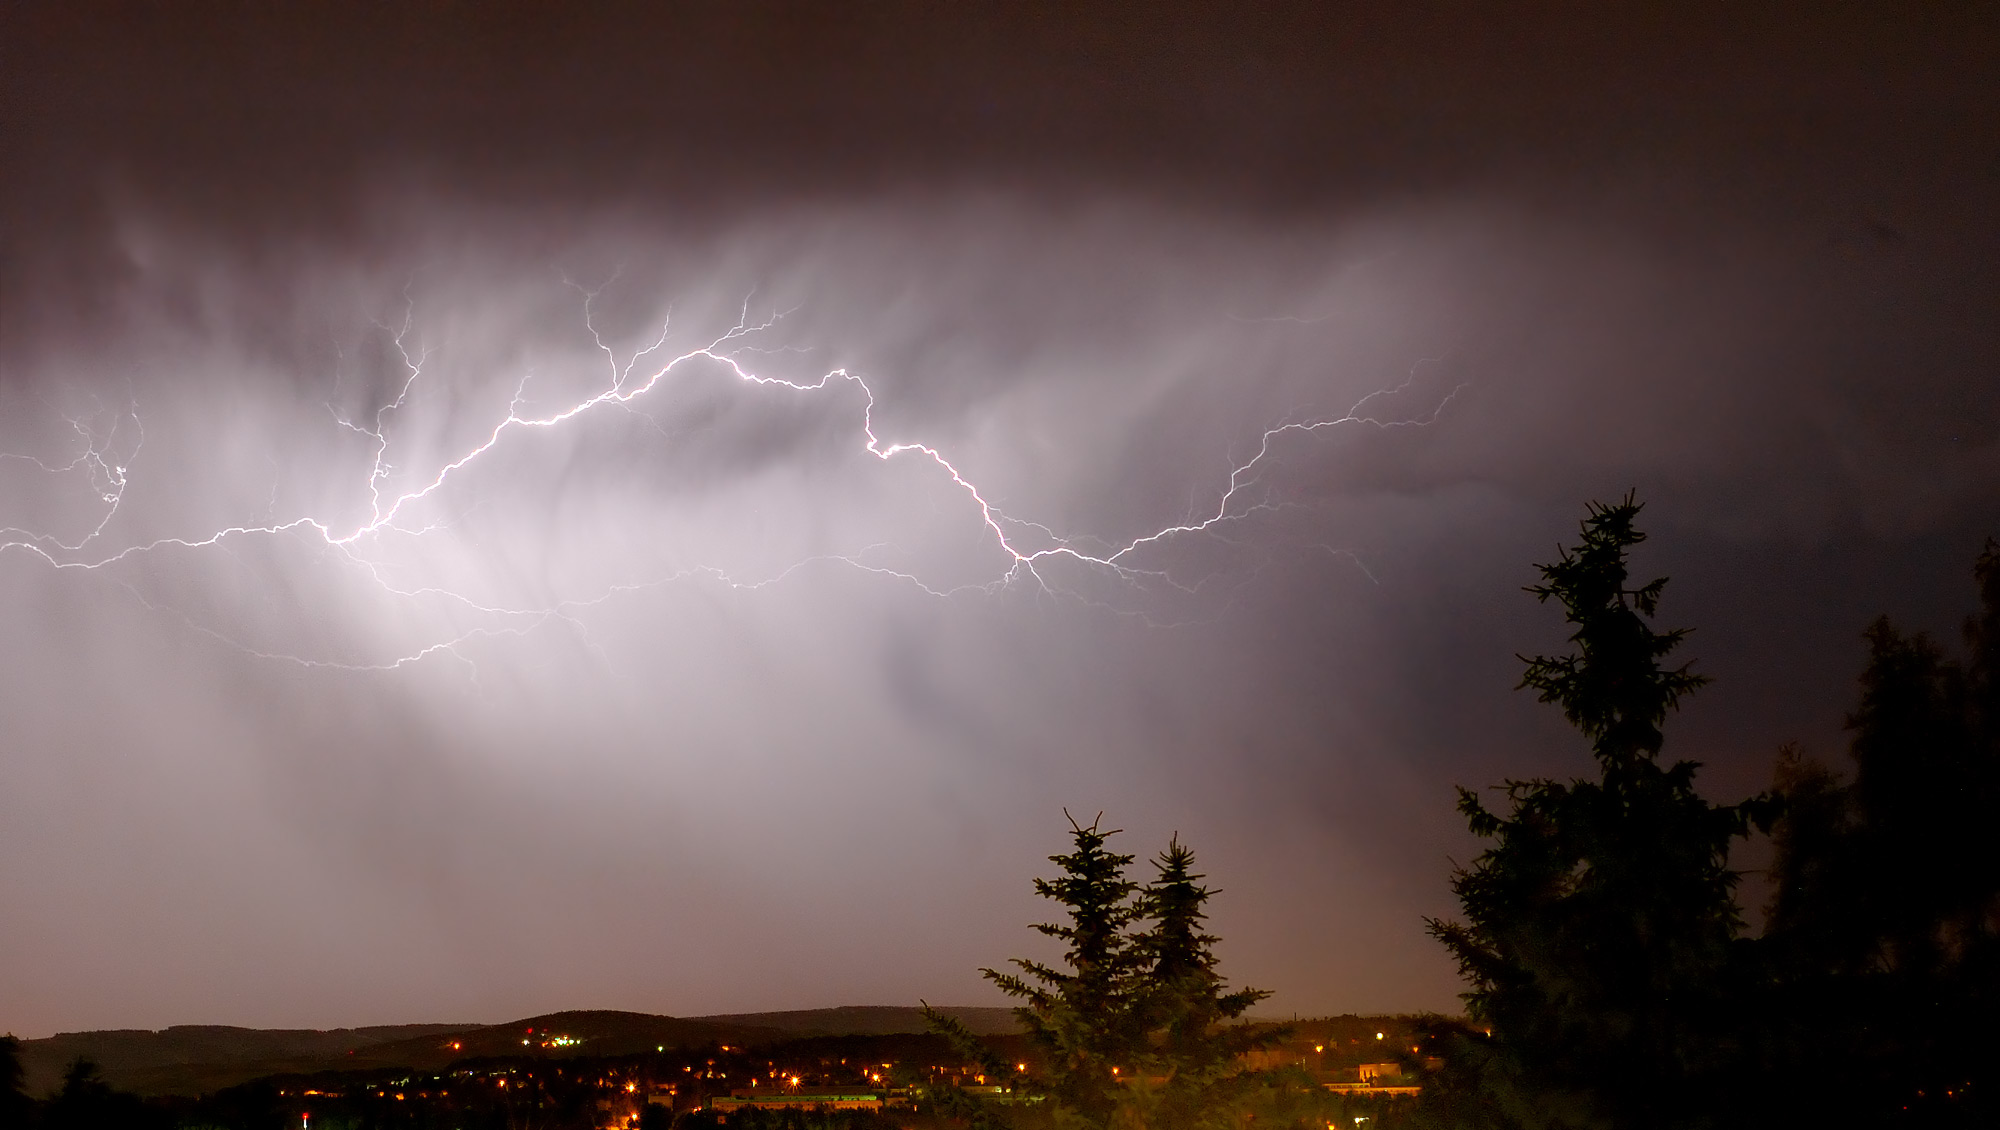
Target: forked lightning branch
(106, 453)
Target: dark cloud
(701, 740)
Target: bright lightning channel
(105, 458)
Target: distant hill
(196, 1059)
(130, 1056)
(871, 1020)
(597, 1032)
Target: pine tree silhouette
(1598, 936)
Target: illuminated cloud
(332, 697)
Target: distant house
(1377, 1079)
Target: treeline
(85, 1101)
(588, 1092)
(1611, 983)
(529, 1092)
(1134, 1027)
(350, 1101)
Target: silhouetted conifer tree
(1884, 925)
(16, 1108)
(1134, 1029)
(1190, 1073)
(1083, 1019)
(1599, 929)
(87, 1102)
(1189, 1006)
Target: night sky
(326, 699)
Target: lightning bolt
(1026, 550)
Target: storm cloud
(691, 702)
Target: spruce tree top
(1613, 687)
